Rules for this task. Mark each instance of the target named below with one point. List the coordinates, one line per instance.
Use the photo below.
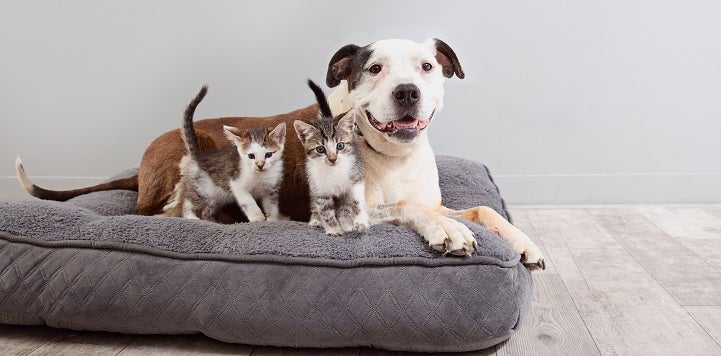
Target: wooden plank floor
(625, 280)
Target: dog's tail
(321, 99)
(130, 183)
(191, 141)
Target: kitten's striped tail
(191, 141)
(321, 99)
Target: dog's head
(395, 88)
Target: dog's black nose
(406, 94)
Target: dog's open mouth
(407, 122)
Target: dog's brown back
(159, 172)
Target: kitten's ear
(278, 134)
(303, 130)
(346, 122)
(235, 134)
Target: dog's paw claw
(444, 247)
(542, 264)
(539, 264)
(462, 252)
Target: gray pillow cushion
(91, 263)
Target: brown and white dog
(395, 88)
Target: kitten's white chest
(329, 180)
(258, 184)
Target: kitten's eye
(268, 154)
(427, 67)
(375, 69)
(340, 146)
(320, 149)
(251, 156)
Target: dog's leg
(490, 219)
(442, 233)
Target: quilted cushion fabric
(92, 264)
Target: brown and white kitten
(334, 169)
(251, 169)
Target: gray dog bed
(91, 263)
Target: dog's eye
(340, 146)
(268, 154)
(251, 156)
(320, 149)
(427, 67)
(375, 69)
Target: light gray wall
(566, 101)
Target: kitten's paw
(254, 218)
(361, 226)
(361, 223)
(314, 221)
(347, 226)
(336, 231)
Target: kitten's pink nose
(332, 159)
(260, 165)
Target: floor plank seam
(709, 264)
(578, 311)
(565, 287)
(703, 328)
(633, 257)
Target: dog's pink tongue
(406, 123)
(423, 124)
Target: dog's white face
(395, 88)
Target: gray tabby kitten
(251, 169)
(334, 169)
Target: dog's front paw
(533, 259)
(531, 255)
(452, 237)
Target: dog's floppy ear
(339, 67)
(447, 59)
